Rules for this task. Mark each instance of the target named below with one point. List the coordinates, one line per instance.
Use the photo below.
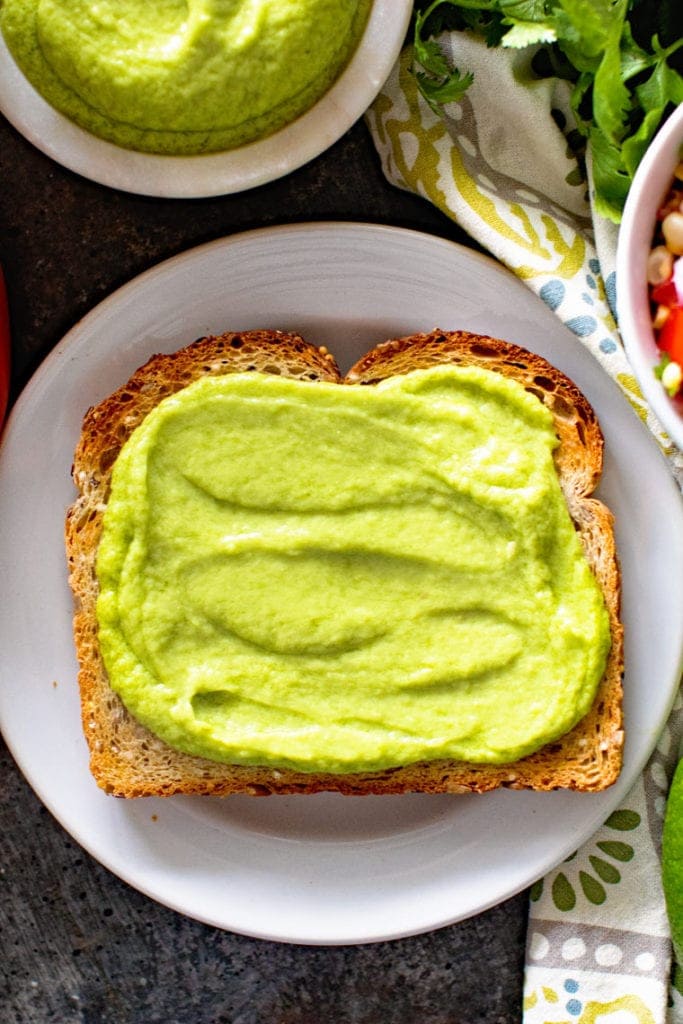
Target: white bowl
(192, 177)
(650, 185)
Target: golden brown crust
(127, 760)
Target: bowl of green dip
(192, 97)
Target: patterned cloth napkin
(500, 163)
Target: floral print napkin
(501, 162)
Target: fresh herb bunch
(624, 59)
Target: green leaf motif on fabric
(536, 890)
(592, 889)
(604, 870)
(623, 820)
(575, 177)
(564, 896)
(617, 851)
(591, 883)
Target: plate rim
(42, 374)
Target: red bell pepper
(670, 336)
(665, 294)
(4, 349)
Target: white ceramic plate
(322, 869)
(216, 173)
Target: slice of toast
(128, 761)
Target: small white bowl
(214, 174)
(650, 185)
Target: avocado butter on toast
(291, 581)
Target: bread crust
(127, 760)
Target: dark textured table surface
(77, 945)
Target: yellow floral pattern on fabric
(600, 1013)
(627, 1008)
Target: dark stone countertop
(77, 945)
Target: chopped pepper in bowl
(649, 272)
(665, 282)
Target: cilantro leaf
(611, 100)
(610, 176)
(523, 10)
(429, 54)
(438, 82)
(448, 90)
(528, 33)
(633, 148)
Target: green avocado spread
(182, 76)
(345, 578)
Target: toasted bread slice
(128, 761)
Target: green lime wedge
(672, 860)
